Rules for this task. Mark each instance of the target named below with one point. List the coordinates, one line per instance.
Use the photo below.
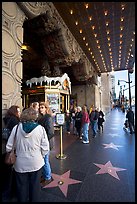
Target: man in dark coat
(130, 117)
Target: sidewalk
(101, 171)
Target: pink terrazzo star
(108, 168)
(111, 145)
(62, 181)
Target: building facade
(67, 53)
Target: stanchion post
(60, 121)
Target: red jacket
(85, 118)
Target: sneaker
(80, 138)
(85, 142)
(46, 182)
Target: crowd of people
(82, 119)
(32, 169)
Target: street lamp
(129, 88)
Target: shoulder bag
(10, 157)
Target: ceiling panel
(108, 31)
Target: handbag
(10, 157)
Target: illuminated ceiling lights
(86, 5)
(71, 11)
(24, 47)
(97, 42)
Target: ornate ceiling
(79, 38)
(104, 30)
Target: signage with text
(60, 118)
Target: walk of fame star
(111, 145)
(108, 168)
(62, 181)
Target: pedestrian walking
(85, 125)
(130, 117)
(100, 120)
(78, 122)
(68, 121)
(73, 116)
(93, 120)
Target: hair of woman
(46, 104)
(29, 114)
(13, 110)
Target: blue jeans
(94, 127)
(85, 131)
(46, 168)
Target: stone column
(12, 39)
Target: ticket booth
(56, 90)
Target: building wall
(105, 89)
(85, 94)
(12, 38)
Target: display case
(56, 90)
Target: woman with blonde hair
(46, 121)
(31, 146)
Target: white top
(30, 148)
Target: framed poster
(53, 99)
(60, 118)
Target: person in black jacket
(130, 117)
(78, 121)
(68, 121)
(100, 120)
(93, 116)
(45, 119)
(12, 118)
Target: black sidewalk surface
(101, 171)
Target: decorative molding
(8, 84)
(12, 38)
(11, 48)
(6, 23)
(69, 52)
(9, 10)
